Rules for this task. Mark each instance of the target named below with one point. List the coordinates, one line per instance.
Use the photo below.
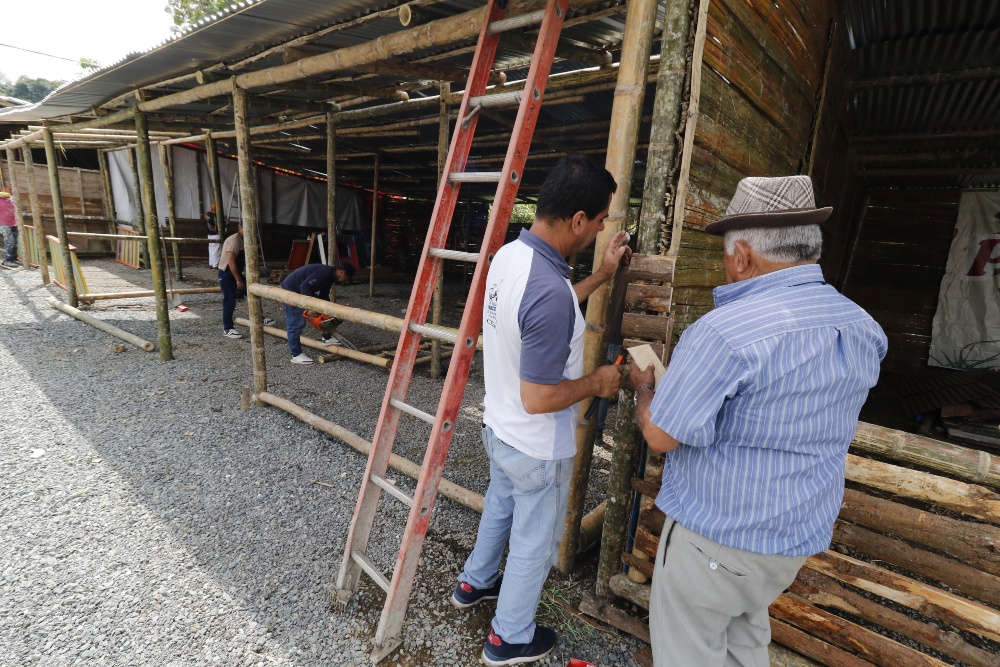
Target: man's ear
(743, 257)
(578, 221)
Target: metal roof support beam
(928, 79)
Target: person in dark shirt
(310, 280)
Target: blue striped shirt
(764, 394)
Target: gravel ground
(146, 520)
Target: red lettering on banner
(985, 256)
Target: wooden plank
(812, 647)
(658, 268)
(644, 566)
(632, 342)
(649, 297)
(615, 617)
(959, 576)
(644, 327)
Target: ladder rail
(432, 469)
(406, 350)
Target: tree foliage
(188, 12)
(27, 88)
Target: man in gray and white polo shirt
(533, 355)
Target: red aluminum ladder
(529, 101)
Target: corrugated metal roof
(960, 145)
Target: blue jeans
(294, 324)
(228, 284)
(526, 506)
(9, 243)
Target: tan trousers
(708, 604)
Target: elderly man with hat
(8, 227)
(755, 414)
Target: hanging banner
(966, 331)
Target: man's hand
(641, 377)
(613, 254)
(607, 379)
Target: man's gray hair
(779, 244)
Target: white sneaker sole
(512, 661)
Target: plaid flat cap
(784, 201)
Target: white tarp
(281, 198)
(966, 330)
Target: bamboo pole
(371, 265)
(337, 350)
(660, 160)
(143, 294)
(690, 125)
(970, 465)
(442, 157)
(331, 191)
(22, 234)
(626, 112)
(57, 209)
(132, 237)
(248, 216)
(167, 164)
(157, 265)
(107, 198)
(140, 205)
(36, 215)
(447, 488)
(103, 326)
(366, 317)
(211, 153)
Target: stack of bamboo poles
(913, 576)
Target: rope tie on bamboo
(985, 461)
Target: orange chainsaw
(323, 322)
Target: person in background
(212, 230)
(310, 280)
(8, 227)
(231, 280)
(755, 413)
(533, 366)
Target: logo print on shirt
(491, 305)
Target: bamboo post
(57, 209)
(624, 132)
(107, 197)
(248, 214)
(157, 266)
(213, 173)
(22, 235)
(371, 265)
(442, 157)
(140, 205)
(140, 343)
(36, 214)
(167, 163)
(660, 160)
(331, 190)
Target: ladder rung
(391, 489)
(412, 411)
(434, 333)
(475, 176)
(371, 570)
(515, 22)
(511, 99)
(457, 255)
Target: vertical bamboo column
(445, 90)
(107, 196)
(157, 266)
(57, 208)
(167, 163)
(140, 206)
(213, 174)
(248, 216)
(670, 82)
(371, 265)
(331, 190)
(36, 214)
(22, 235)
(626, 114)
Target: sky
(103, 30)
